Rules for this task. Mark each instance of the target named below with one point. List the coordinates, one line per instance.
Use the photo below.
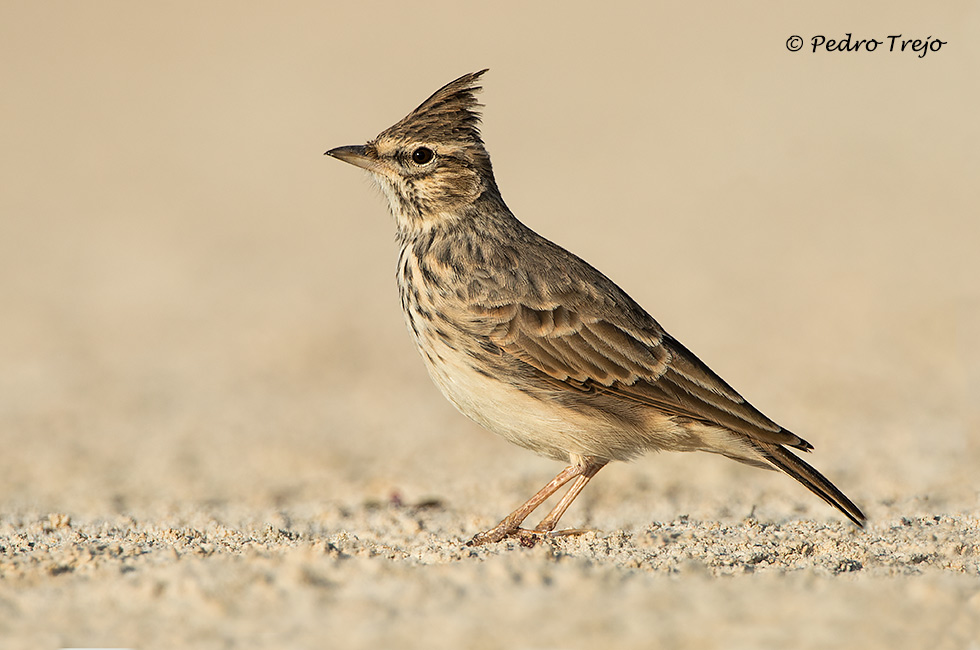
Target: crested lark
(531, 341)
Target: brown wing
(643, 364)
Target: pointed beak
(356, 155)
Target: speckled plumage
(531, 341)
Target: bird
(531, 341)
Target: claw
(525, 537)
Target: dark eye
(422, 155)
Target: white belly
(542, 426)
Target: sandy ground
(216, 433)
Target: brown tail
(783, 459)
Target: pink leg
(551, 520)
(512, 522)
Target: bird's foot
(525, 537)
(496, 534)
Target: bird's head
(433, 162)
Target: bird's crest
(451, 114)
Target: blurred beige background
(198, 310)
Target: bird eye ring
(422, 155)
